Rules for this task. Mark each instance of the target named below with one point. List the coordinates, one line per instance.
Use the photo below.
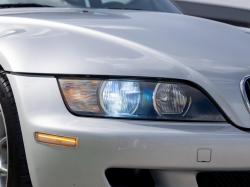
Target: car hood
(213, 55)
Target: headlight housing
(124, 98)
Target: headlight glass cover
(122, 98)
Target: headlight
(120, 98)
(137, 99)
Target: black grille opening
(247, 88)
(224, 179)
(129, 177)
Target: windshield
(149, 5)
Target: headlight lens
(120, 98)
(170, 99)
(137, 99)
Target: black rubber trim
(77, 76)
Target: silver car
(121, 93)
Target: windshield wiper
(22, 5)
(124, 8)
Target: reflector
(120, 97)
(170, 99)
(57, 140)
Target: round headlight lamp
(119, 98)
(170, 99)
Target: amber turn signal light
(57, 140)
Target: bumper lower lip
(162, 147)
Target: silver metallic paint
(105, 143)
(214, 56)
(131, 43)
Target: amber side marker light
(57, 140)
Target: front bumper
(168, 149)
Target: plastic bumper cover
(166, 148)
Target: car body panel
(246, 30)
(171, 39)
(166, 148)
(212, 55)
